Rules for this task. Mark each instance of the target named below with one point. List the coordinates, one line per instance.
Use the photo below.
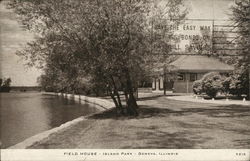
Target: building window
(193, 76)
(145, 84)
(181, 76)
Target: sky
(14, 38)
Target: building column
(161, 80)
(153, 84)
(187, 76)
(157, 84)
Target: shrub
(197, 87)
(212, 84)
(236, 83)
(226, 83)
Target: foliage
(106, 41)
(237, 83)
(197, 87)
(241, 18)
(201, 44)
(211, 83)
(5, 84)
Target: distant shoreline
(25, 88)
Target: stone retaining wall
(106, 104)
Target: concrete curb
(99, 103)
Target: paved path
(190, 98)
(162, 123)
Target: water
(26, 114)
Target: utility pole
(248, 97)
(164, 68)
(212, 38)
(164, 74)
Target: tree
(108, 41)
(241, 18)
(1, 81)
(5, 84)
(237, 83)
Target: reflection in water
(26, 114)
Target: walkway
(190, 98)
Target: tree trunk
(116, 93)
(115, 97)
(124, 90)
(131, 105)
(114, 100)
(126, 96)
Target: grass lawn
(162, 123)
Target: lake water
(26, 114)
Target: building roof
(199, 63)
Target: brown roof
(198, 63)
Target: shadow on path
(149, 98)
(145, 111)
